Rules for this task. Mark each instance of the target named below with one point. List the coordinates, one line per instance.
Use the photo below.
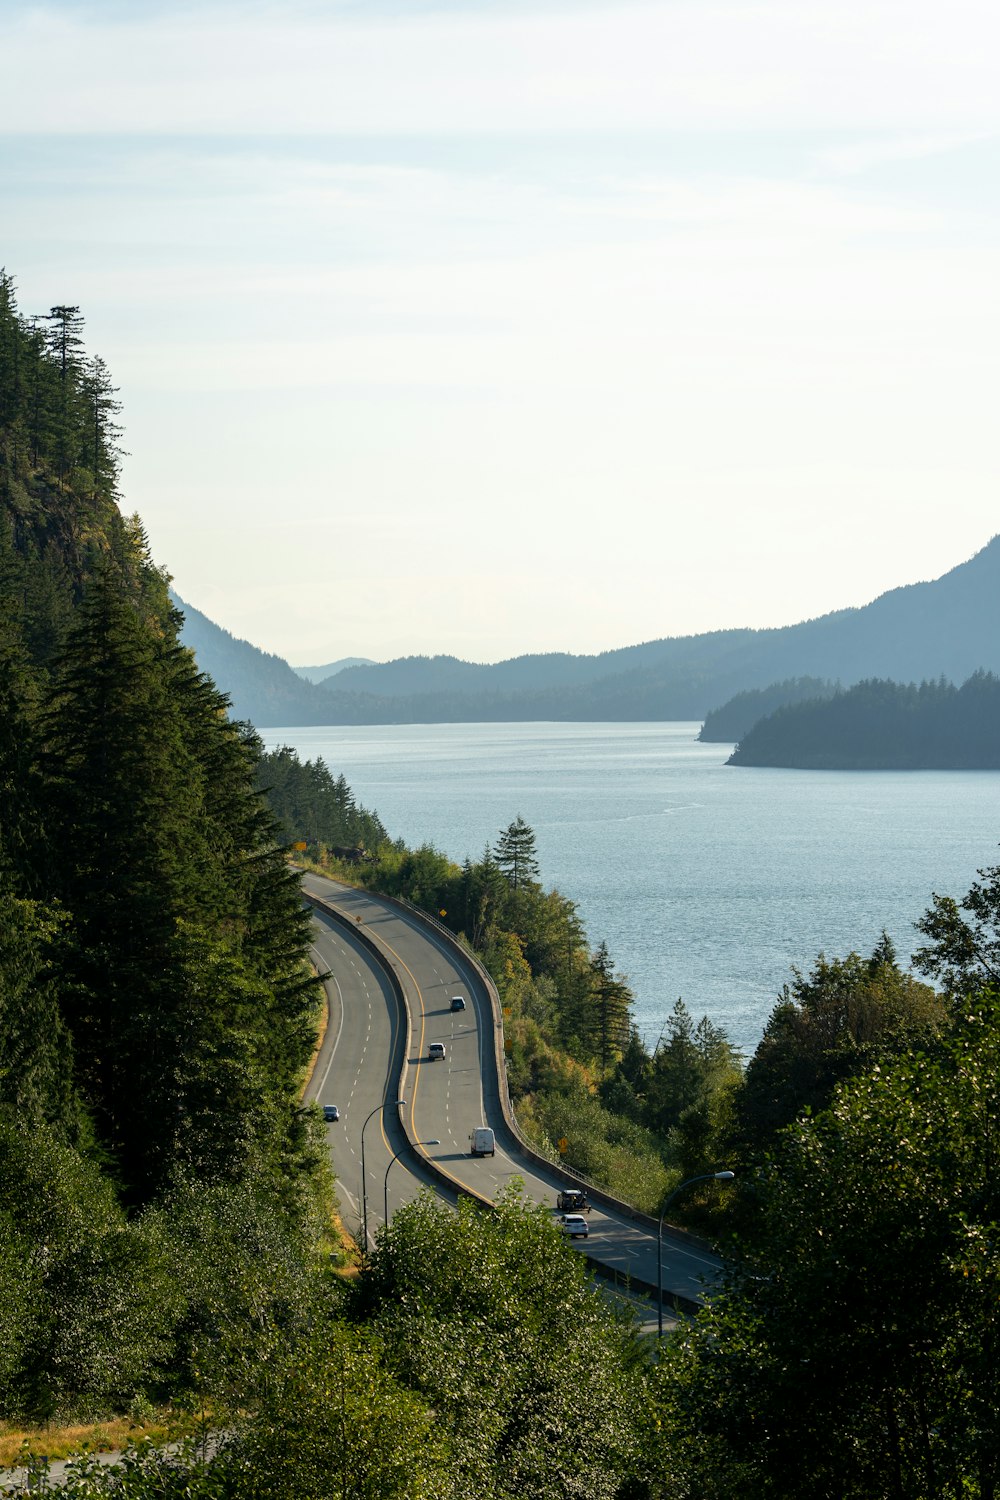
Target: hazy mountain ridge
(949, 627)
(332, 668)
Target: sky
(483, 327)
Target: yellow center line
(380, 941)
(457, 1181)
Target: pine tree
(611, 1001)
(515, 854)
(123, 795)
(64, 341)
(101, 448)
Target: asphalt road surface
(370, 1045)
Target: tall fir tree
(516, 855)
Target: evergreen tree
(64, 340)
(611, 1002)
(515, 854)
(101, 450)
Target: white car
(575, 1225)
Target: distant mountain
(321, 674)
(262, 688)
(946, 628)
(876, 726)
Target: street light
(364, 1184)
(705, 1177)
(389, 1169)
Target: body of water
(706, 881)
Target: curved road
(369, 1045)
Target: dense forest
(879, 725)
(165, 1206)
(161, 1188)
(730, 722)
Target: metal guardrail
(568, 1174)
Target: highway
(378, 953)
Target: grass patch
(54, 1440)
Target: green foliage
(187, 934)
(313, 806)
(334, 1421)
(160, 1186)
(59, 460)
(963, 952)
(96, 1327)
(244, 1282)
(489, 1317)
(35, 1050)
(609, 1150)
(854, 1353)
(682, 1095)
(831, 1024)
(516, 855)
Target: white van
(435, 1050)
(483, 1142)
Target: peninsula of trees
(879, 725)
(729, 724)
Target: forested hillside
(883, 726)
(158, 1178)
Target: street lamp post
(389, 1169)
(364, 1182)
(705, 1177)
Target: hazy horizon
(503, 329)
(359, 659)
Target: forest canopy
(881, 725)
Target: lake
(706, 881)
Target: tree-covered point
(733, 719)
(880, 725)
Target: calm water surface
(706, 881)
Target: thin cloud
(879, 64)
